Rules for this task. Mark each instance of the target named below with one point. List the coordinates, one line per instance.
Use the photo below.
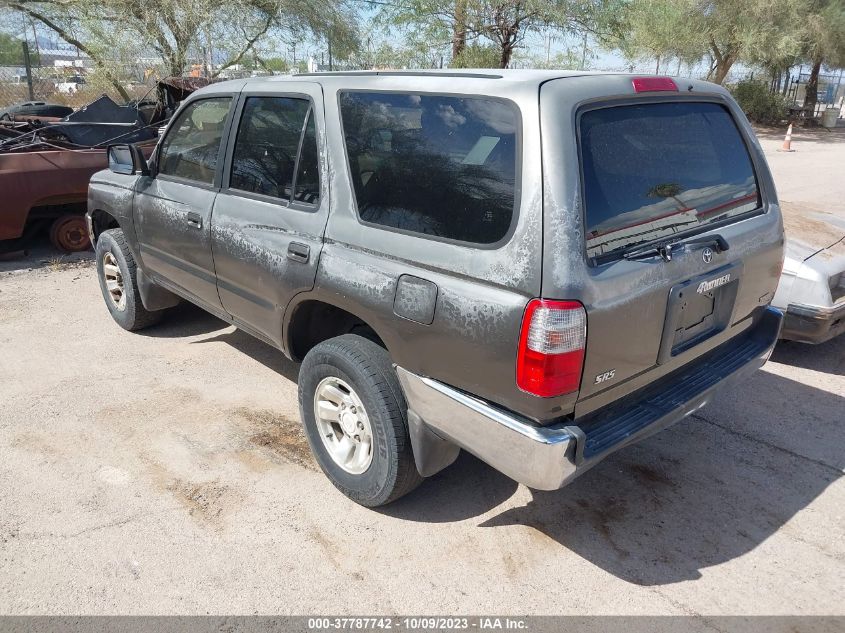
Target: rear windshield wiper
(646, 252)
(718, 242)
(665, 250)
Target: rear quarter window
(652, 170)
(436, 165)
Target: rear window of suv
(438, 165)
(658, 169)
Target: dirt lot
(165, 472)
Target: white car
(811, 292)
(71, 85)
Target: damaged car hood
(815, 256)
(810, 230)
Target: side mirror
(127, 159)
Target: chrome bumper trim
(541, 458)
(547, 458)
(817, 312)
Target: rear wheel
(69, 233)
(117, 273)
(355, 418)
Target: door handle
(194, 219)
(298, 252)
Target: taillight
(551, 347)
(654, 84)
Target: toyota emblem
(707, 255)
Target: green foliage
(413, 54)
(759, 32)
(11, 51)
(180, 32)
(426, 29)
(477, 55)
(569, 59)
(276, 64)
(661, 30)
(758, 102)
(448, 24)
(822, 32)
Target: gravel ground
(165, 472)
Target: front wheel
(355, 419)
(118, 274)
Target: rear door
(651, 171)
(174, 204)
(270, 215)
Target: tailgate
(677, 250)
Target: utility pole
(330, 53)
(28, 65)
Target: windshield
(657, 169)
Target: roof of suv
(502, 82)
(529, 75)
(502, 77)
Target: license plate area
(697, 309)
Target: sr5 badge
(605, 376)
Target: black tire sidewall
(107, 244)
(375, 485)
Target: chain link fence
(63, 77)
(56, 85)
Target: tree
(11, 51)
(659, 30)
(504, 23)
(459, 28)
(726, 31)
(431, 27)
(275, 64)
(414, 54)
(475, 55)
(508, 22)
(749, 30)
(56, 16)
(822, 42)
(179, 31)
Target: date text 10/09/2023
(417, 623)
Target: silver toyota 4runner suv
(537, 267)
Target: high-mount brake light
(551, 347)
(654, 84)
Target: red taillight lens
(654, 84)
(551, 347)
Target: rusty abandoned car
(537, 267)
(48, 155)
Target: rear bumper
(813, 324)
(547, 458)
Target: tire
(130, 313)
(69, 233)
(366, 368)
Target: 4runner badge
(605, 376)
(707, 286)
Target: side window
(266, 146)
(438, 165)
(191, 146)
(308, 176)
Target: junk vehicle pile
(46, 161)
